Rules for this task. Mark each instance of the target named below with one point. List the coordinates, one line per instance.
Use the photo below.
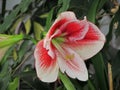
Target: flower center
(66, 55)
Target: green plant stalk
(98, 63)
(92, 11)
(11, 39)
(49, 19)
(14, 84)
(98, 60)
(65, 5)
(4, 59)
(91, 87)
(66, 81)
(101, 3)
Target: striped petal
(46, 67)
(61, 19)
(75, 29)
(54, 30)
(90, 45)
(74, 67)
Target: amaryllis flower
(67, 44)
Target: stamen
(69, 57)
(62, 52)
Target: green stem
(99, 66)
(8, 40)
(91, 86)
(92, 11)
(66, 81)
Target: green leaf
(23, 49)
(77, 85)
(98, 64)
(15, 54)
(31, 82)
(4, 69)
(4, 76)
(3, 51)
(8, 40)
(4, 82)
(24, 5)
(13, 15)
(60, 88)
(90, 85)
(14, 26)
(92, 11)
(101, 3)
(22, 53)
(38, 29)
(66, 81)
(65, 5)
(28, 26)
(9, 19)
(14, 84)
(49, 20)
(45, 15)
(5, 58)
(97, 60)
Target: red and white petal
(75, 29)
(74, 68)
(47, 44)
(87, 49)
(61, 19)
(54, 30)
(94, 33)
(92, 43)
(68, 15)
(46, 67)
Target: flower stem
(66, 81)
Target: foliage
(29, 21)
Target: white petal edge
(88, 50)
(65, 66)
(47, 75)
(67, 15)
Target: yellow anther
(69, 57)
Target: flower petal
(61, 19)
(90, 45)
(75, 29)
(75, 68)
(46, 67)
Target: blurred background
(33, 18)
